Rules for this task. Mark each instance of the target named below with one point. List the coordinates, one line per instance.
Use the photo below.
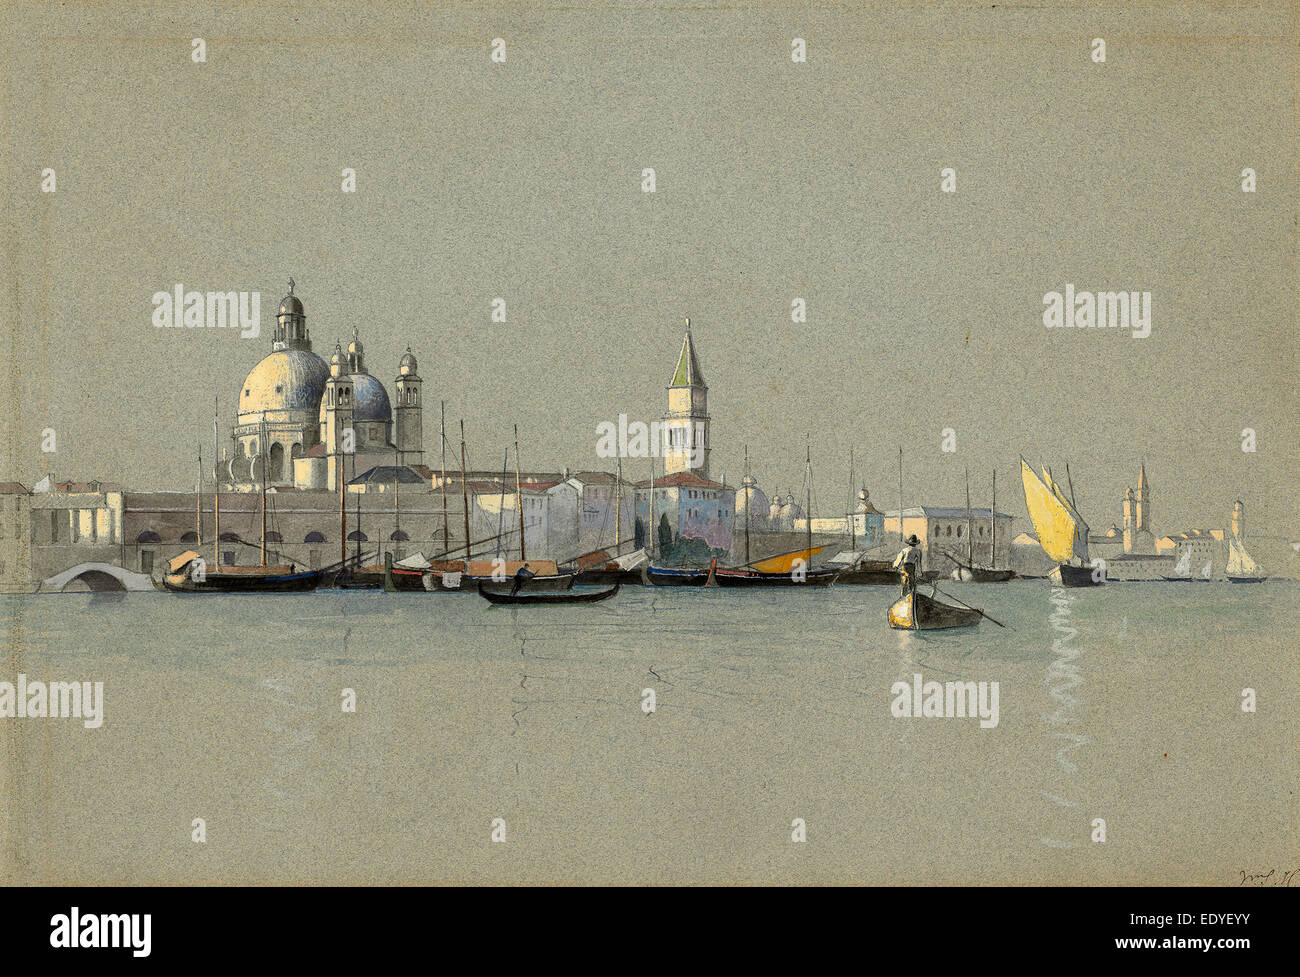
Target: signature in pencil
(1271, 877)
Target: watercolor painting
(601, 444)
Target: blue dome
(288, 379)
(371, 399)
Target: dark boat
(979, 574)
(456, 578)
(499, 593)
(241, 580)
(916, 612)
(1069, 575)
(677, 576)
(740, 577)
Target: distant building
(940, 529)
(695, 507)
(1138, 538)
(300, 418)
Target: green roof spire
(688, 373)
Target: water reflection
(1063, 678)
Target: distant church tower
(687, 420)
(337, 407)
(409, 413)
(1143, 501)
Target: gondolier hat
(912, 540)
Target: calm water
(1122, 703)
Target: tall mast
(263, 453)
(970, 539)
(618, 507)
(464, 489)
(901, 539)
(397, 498)
(1070, 482)
(749, 501)
(807, 514)
(993, 523)
(216, 494)
(853, 527)
(343, 511)
(654, 532)
(446, 533)
(519, 499)
(198, 503)
(358, 529)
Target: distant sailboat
(1241, 568)
(1062, 531)
(1182, 569)
(969, 570)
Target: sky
(774, 180)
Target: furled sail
(1061, 530)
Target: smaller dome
(291, 304)
(407, 365)
(371, 400)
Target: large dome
(371, 399)
(288, 379)
(758, 509)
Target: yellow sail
(1052, 516)
(784, 563)
(1080, 525)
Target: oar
(969, 608)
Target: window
(950, 530)
(959, 532)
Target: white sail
(1207, 570)
(1183, 568)
(1240, 563)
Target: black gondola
(491, 593)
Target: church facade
(304, 423)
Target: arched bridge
(97, 577)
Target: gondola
(916, 612)
(740, 577)
(977, 574)
(499, 593)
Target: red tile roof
(686, 479)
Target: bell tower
(336, 408)
(409, 412)
(686, 423)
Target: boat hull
(499, 593)
(1068, 575)
(973, 574)
(757, 578)
(243, 583)
(542, 583)
(673, 577)
(1238, 579)
(916, 612)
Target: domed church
(302, 417)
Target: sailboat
(1241, 568)
(1182, 569)
(1062, 531)
(798, 573)
(969, 571)
(190, 574)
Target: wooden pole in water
(264, 457)
(618, 508)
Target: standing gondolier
(909, 562)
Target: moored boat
(190, 575)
